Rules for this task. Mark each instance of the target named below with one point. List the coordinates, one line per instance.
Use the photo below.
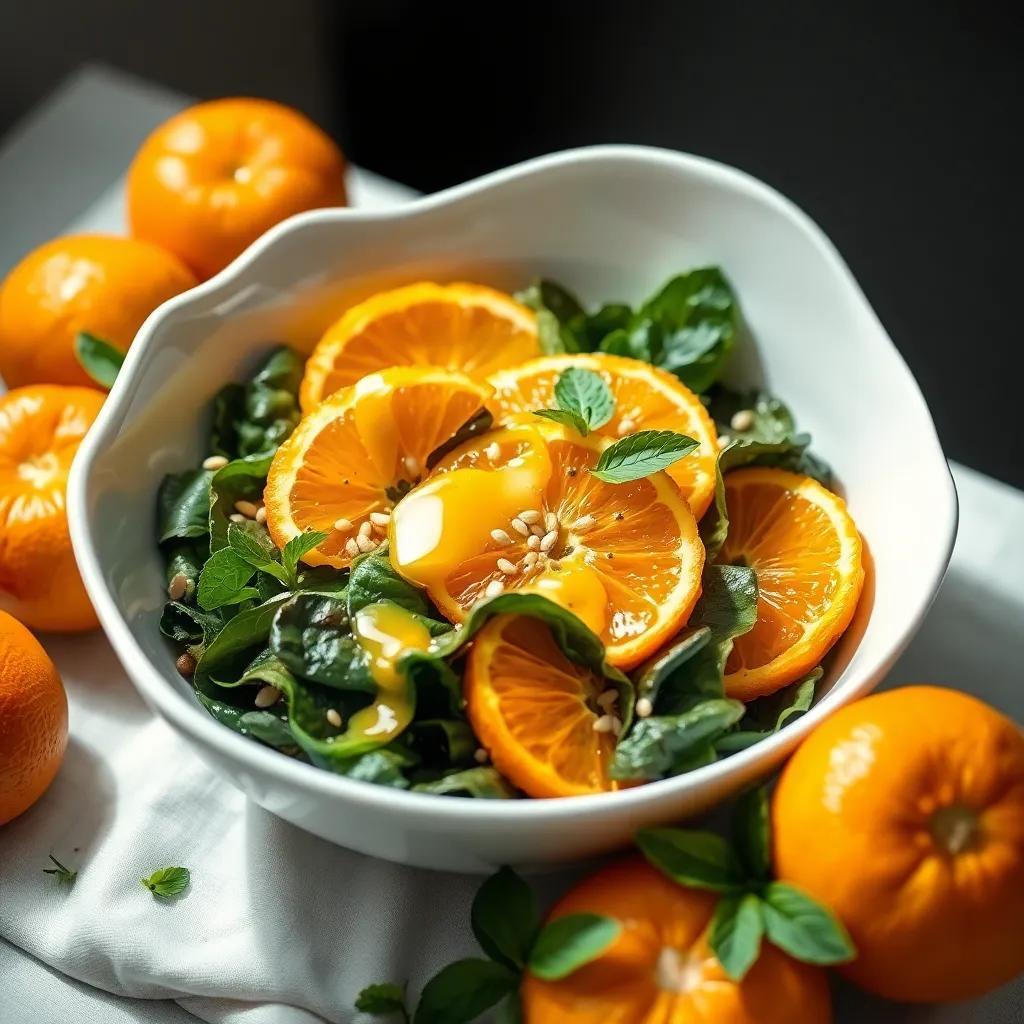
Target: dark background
(896, 126)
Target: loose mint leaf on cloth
(483, 783)
(463, 990)
(183, 505)
(241, 480)
(505, 918)
(567, 943)
(64, 875)
(380, 1000)
(737, 927)
(165, 883)
(641, 454)
(804, 928)
(224, 580)
(584, 392)
(98, 358)
(699, 859)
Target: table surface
(971, 638)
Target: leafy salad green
(270, 644)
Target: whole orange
(41, 427)
(904, 813)
(99, 284)
(660, 969)
(33, 719)
(213, 178)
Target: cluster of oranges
(201, 188)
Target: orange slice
(646, 398)
(806, 551)
(358, 452)
(625, 558)
(534, 710)
(465, 327)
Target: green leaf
(804, 928)
(698, 679)
(373, 579)
(751, 828)
(504, 918)
(573, 420)
(64, 875)
(253, 545)
(698, 859)
(188, 625)
(663, 745)
(462, 991)
(227, 656)
(382, 999)
(298, 546)
(266, 727)
(567, 943)
(481, 783)
(555, 298)
(771, 713)
(165, 883)
(243, 479)
(98, 358)
(183, 505)
(641, 454)
(728, 601)
(735, 935)
(650, 676)
(223, 580)
(442, 742)
(510, 1011)
(585, 393)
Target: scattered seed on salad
(723, 441)
(185, 663)
(607, 699)
(351, 547)
(742, 420)
(412, 465)
(550, 521)
(261, 514)
(343, 525)
(178, 586)
(548, 541)
(365, 529)
(481, 756)
(507, 567)
(492, 451)
(603, 724)
(616, 726)
(494, 588)
(530, 516)
(530, 559)
(365, 544)
(500, 537)
(380, 518)
(619, 516)
(213, 462)
(644, 707)
(520, 527)
(533, 542)
(237, 517)
(626, 426)
(247, 508)
(585, 522)
(333, 717)
(267, 696)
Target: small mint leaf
(804, 928)
(736, 931)
(698, 859)
(165, 883)
(223, 580)
(299, 546)
(641, 454)
(98, 358)
(585, 393)
(567, 943)
(566, 418)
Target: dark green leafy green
(505, 919)
(803, 927)
(649, 677)
(241, 480)
(702, 860)
(183, 505)
(98, 358)
(482, 783)
(228, 654)
(728, 601)
(737, 927)
(463, 990)
(381, 1000)
(224, 581)
(751, 832)
(188, 625)
(641, 454)
(567, 943)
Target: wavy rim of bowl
(187, 714)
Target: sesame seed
(610, 555)
(742, 420)
(500, 537)
(343, 525)
(236, 517)
(380, 518)
(520, 527)
(267, 696)
(550, 521)
(366, 544)
(585, 522)
(530, 516)
(185, 663)
(494, 588)
(533, 542)
(177, 587)
(333, 717)
(247, 508)
(481, 756)
(261, 514)
(538, 530)
(571, 470)
(619, 516)
(351, 547)
(215, 462)
(644, 707)
(616, 726)
(365, 530)
(603, 724)
(530, 559)
(608, 698)
(412, 465)
(626, 425)
(492, 451)
(507, 567)
(549, 540)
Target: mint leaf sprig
(752, 907)
(506, 923)
(641, 454)
(584, 401)
(64, 875)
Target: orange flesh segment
(534, 710)
(805, 549)
(626, 557)
(346, 459)
(467, 328)
(646, 398)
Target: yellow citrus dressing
(375, 423)
(577, 587)
(385, 632)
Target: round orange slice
(518, 509)
(534, 710)
(351, 459)
(469, 328)
(800, 540)
(646, 398)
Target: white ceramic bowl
(612, 223)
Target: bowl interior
(612, 224)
